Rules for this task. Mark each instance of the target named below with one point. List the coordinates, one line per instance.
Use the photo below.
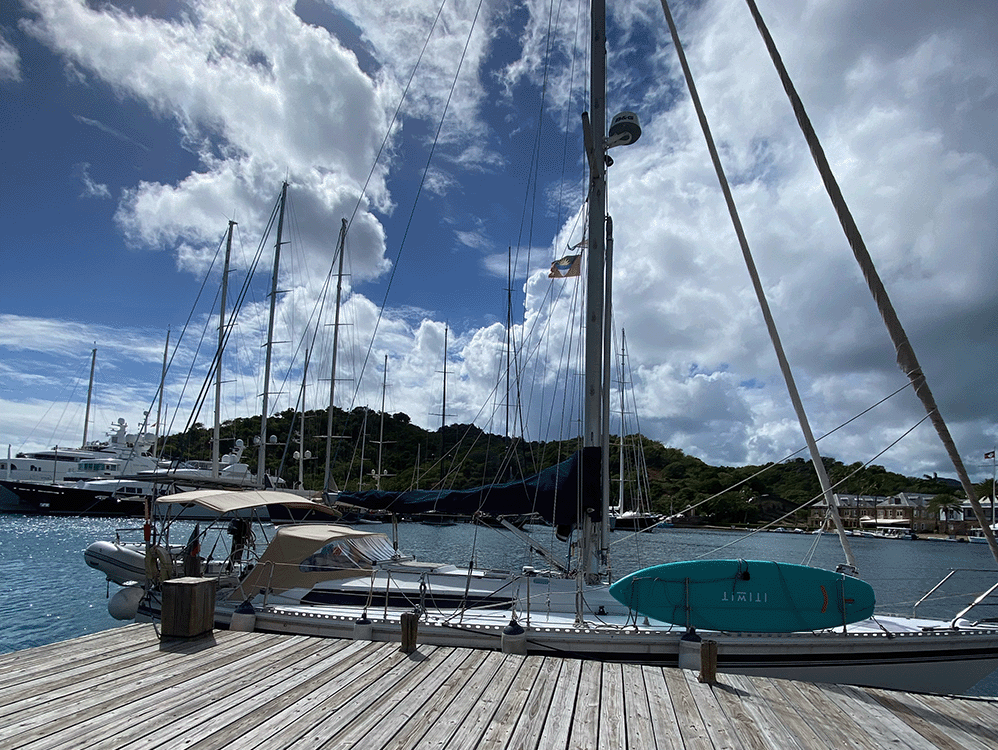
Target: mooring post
(410, 623)
(708, 662)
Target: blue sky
(132, 133)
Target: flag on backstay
(563, 268)
(989, 454)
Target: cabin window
(349, 554)
(333, 556)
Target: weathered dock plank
(439, 716)
(559, 719)
(880, 722)
(535, 711)
(323, 707)
(665, 721)
(827, 717)
(800, 729)
(508, 711)
(640, 732)
(973, 716)
(126, 689)
(584, 730)
(937, 728)
(481, 715)
(712, 713)
(48, 717)
(378, 727)
(692, 729)
(262, 718)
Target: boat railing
(981, 601)
(270, 580)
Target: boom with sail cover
(562, 494)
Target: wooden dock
(124, 688)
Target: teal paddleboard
(746, 595)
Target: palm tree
(946, 504)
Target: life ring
(159, 566)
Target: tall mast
(326, 482)
(262, 460)
(596, 292)
(90, 390)
(216, 436)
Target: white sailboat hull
(897, 653)
(942, 662)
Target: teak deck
(124, 688)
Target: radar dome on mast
(624, 130)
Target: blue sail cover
(558, 493)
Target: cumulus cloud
(901, 98)
(258, 96)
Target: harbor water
(48, 594)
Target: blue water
(48, 594)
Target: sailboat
(631, 511)
(766, 618)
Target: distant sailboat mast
(162, 388)
(90, 390)
(262, 459)
(216, 435)
(327, 483)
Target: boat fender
(363, 629)
(514, 639)
(124, 605)
(159, 566)
(244, 618)
(689, 650)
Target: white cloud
(902, 98)
(257, 96)
(91, 189)
(10, 61)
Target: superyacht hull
(36, 498)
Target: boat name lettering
(746, 597)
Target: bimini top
(305, 554)
(230, 501)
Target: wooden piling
(708, 662)
(410, 625)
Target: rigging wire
(818, 497)
(774, 464)
(419, 190)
